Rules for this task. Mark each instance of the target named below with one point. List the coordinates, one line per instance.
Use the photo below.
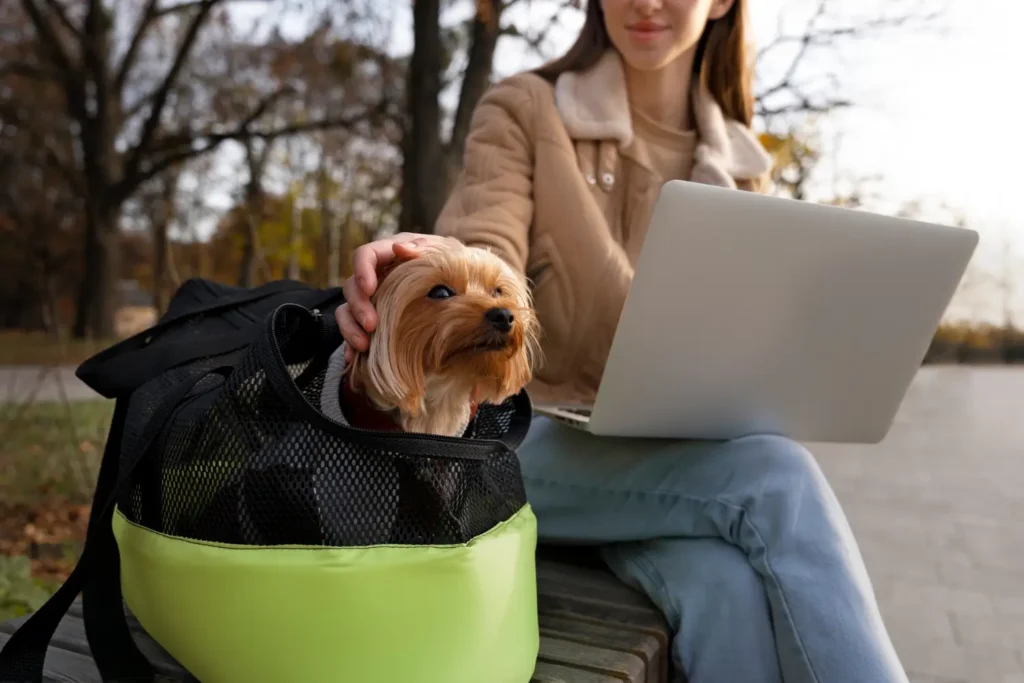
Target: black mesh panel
(235, 464)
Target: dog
(456, 329)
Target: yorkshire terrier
(456, 329)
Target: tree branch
(94, 58)
(148, 14)
(805, 44)
(161, 94)
(70, 75)
(212, 141)
(536, 40)
(477, 76)
(803, 106)
(26, 70)
(58, 9)
(825, 36)
(45, 142)
(174, 142)
(171, 9)
(815, 35)
(51, 44)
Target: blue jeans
(741, 544)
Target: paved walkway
(23, 383)
(935, 508)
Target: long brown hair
(722, 62)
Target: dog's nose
(500, 318)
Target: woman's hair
(722, 61)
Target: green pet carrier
(258, 540)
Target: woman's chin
(646, 57)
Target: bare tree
(257, 153)
(158, 202)
(72, 48)
(1007, 281)
(800, 79)
(429, 160)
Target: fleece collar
(594, 105)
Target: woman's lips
(645, 31)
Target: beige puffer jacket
(554, 183)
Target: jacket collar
(594, 105)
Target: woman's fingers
(369, 260)
(352, 332)
(357, 317)
(406, 251)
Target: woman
(742, 544)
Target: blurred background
(145, 142)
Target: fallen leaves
(50, 534)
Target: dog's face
(457, 319)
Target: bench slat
(62, 666)
(622, 639)
(622, 666)
(555, 673)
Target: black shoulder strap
(97, 574)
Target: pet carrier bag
(258, 540)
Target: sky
(937, 117)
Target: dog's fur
(432, 360)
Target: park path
(20, 383)
(936, 509)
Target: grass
(51, 449)
(37, 348)
(49, 458)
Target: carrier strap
(97, 575)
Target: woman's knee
(709, 576)
(714, 600)
(779, 459)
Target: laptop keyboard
(583, 412)
(565, 412)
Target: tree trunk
(345, 245)
(294, 239)
(331, 228)
(161, 246)
(255, 163)
(424, 188)
(161, 241)
(97, 303)
(476, 79)
(247, 269)
(430, 166)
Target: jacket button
(591, 180)
(608, 179)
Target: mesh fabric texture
(236, 462)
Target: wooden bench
(593, 630)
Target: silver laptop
(754, 314)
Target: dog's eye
(441, 292)
(497, 292)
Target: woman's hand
(357, 317)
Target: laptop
(750, 314)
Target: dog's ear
(391, 372)
(386, 384)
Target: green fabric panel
(380, 614)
